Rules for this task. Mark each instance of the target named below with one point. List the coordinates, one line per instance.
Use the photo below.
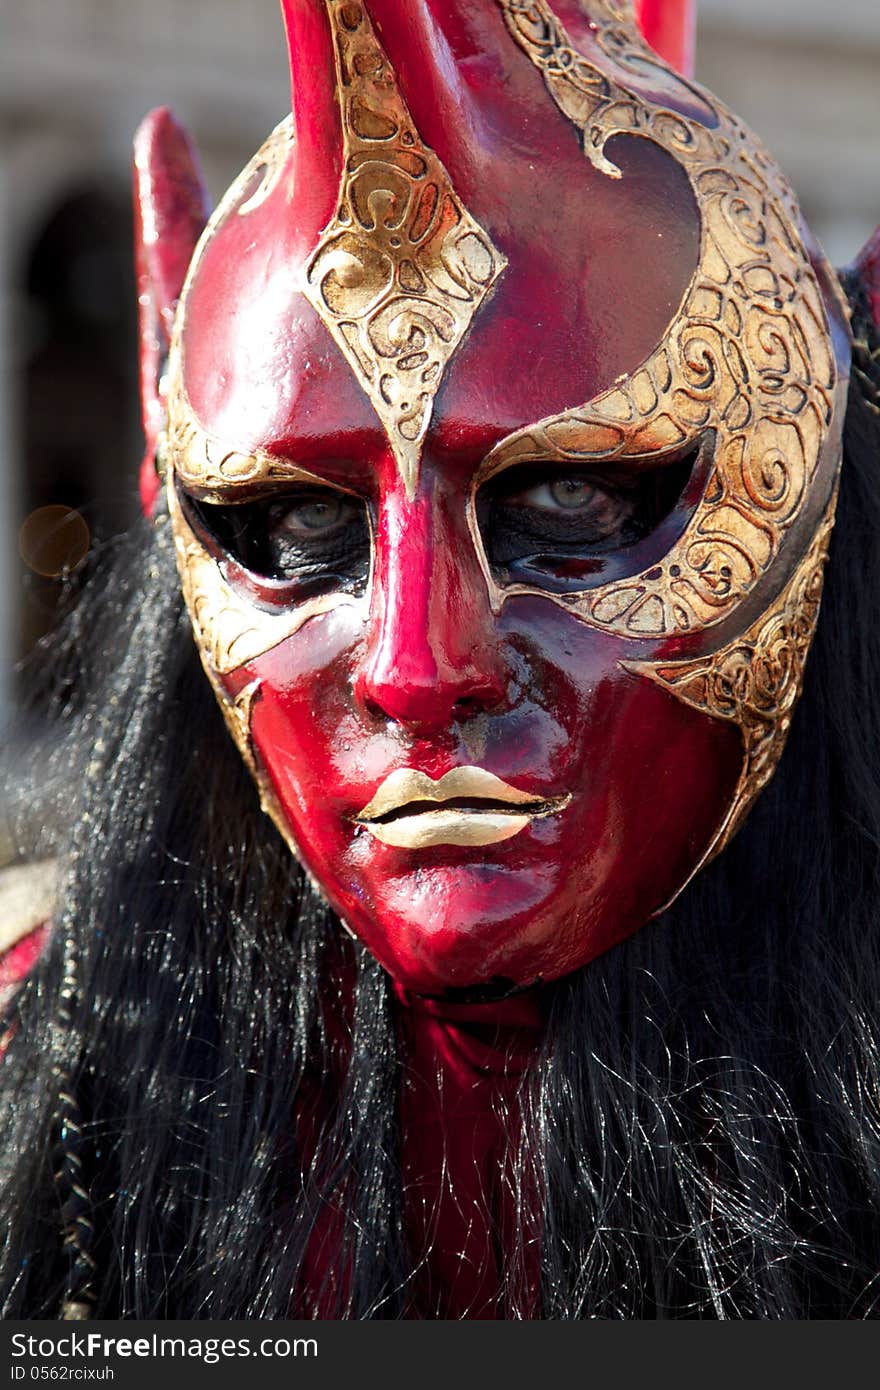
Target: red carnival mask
(504, 415)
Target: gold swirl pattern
(207, 467)
(265, 169)
(748, 358)
(402, 269)
(755, 681)
(237, 711)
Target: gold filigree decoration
(230, 629)
(265, 169)
(748, 357)
(402, 269)
(237, 711)
(755, 681)
(205, 466)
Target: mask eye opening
(570, 527)
(287, 545)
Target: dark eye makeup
(560, 529)
(566, 529)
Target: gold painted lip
(507, 810)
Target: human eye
(319, 527)
(571, 508)
(562, 528)
(310, 536)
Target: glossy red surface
(458, 1108)
(170, 211)
(422, 672)
(669, 26)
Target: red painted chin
(644, 809)
(457, 918)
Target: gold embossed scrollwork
(748, 356)
(205, 466)
(755, 681)
(403, 267)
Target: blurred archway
(77, 412)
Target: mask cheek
(651, 780)
(304, 742)
(654, 784)
(754, 681)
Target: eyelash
(562, 549)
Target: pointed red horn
(867, 267)
(171, 208)
(315, 107)
(669, 26)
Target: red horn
(669, 27)
(171, 208)
(425, 41)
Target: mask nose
(433, 656)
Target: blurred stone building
(76, 76)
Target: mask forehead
(406, 302)
(487, 297)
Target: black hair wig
(700, 1133)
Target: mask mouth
(467, 806)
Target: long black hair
(699, 1137)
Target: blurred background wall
(76, 76)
